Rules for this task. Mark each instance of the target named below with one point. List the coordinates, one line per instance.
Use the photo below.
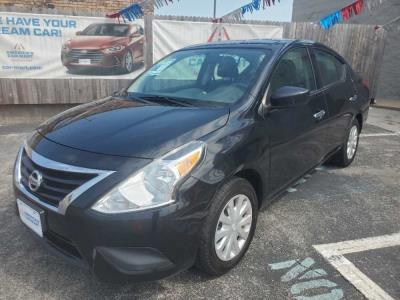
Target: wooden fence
(361, 45)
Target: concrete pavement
(333, 205)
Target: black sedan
(172, 171)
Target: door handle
(353, 98)
(319, 115)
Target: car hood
(130, 128)
(95, 42)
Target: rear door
(296, 133)
(334, 80)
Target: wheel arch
(359, 118)
(255, 179)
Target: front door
(296, 133)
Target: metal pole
(215, 9)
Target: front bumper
(138, 246)
(129, 247)
(98, 59)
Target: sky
(282, 11)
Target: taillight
(365, 83)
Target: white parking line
(334, 252)
(379, 134)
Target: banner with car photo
(55, 46)
(169, 36)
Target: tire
(209, 259)
(128, 62)
(345, 156)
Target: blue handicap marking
(306, 279)
(314, 274)
(300, 287)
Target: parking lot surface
(331, 206)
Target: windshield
(106, 30)
(220, 76)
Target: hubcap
(352, 142)
(233, 227)
(128, 61)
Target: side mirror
(289, 96)
(135, 35)
(78, 32)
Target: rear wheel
(228, 228)
(347, 153)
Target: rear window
(330, 68)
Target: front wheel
(228, 228)
(128, 62)
(347, 153)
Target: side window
(134, 29)
(330, 68)
(294, 69)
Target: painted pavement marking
(379, 134)
(305, 280)
(334, 252)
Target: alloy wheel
(352, 142)
(128, 62)
(233, 227)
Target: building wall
(80, 6)
(68, 4)
(313, 11)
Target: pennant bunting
(161, 3)
(237, 14)
(349, 11)
(135, 11)
(352, 9)
(331, 20)
(129, 13)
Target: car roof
(259, 43)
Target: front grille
(56, 184)
(95, 56)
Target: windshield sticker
(161, 66)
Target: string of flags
(238, 14)
(349, 11)
(129, 13)
(134, 11)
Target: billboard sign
(56, 46)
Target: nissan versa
(172, 171)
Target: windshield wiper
(124, 94)
(132, 96)
(158, 98)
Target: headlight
(114, 49)
(154, 185)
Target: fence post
(148, 32)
